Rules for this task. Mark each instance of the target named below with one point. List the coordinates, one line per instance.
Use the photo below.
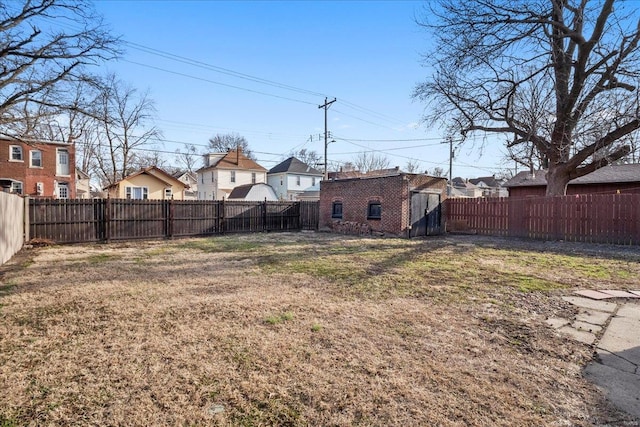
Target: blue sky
(367, 54)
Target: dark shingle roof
(608, 174)
(293, 165)
(241, 191)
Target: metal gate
(425, 214)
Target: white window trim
(31, 165)
(11, 159)
(233, 176)
(21, 187)
(168, 193)
(65, 186)
(58, 151)
(128, 192)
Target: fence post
(222, 215)
(27, 221)
(107, 220)
(170, 218)
(264, 215)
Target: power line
(177, 73)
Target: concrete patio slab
(593, 294)
(588, 327)
(619, 294)
(557, 322)
(594, 317)
(608, 307)
(581, 336)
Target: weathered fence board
(75, 221)
(597, 218)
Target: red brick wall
(29, 176)
(355, 194)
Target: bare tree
(368, 161)
(221, 143)
(412, 166)
(125, 119)
(582, 56)
(437, 172)
(189, 157)
(38, 58)
(310, 157)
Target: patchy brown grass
(301, 329)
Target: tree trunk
(557, 180)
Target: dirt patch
(302, 329)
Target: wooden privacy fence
(595, 218)
(80, 220)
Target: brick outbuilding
(399, 204)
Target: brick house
(389, 203)
(38, 169)
(610, 179)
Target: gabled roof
(234, 160)
(490, 181)
(154, 171)
(293, 165)
(605, 175)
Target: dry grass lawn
(301, 329)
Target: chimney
(238, 150)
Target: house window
(15, 153)
(233, 176)
(202, 178)
(168, 193)
(313, 181)
(281, 181)
(63, 163)
(36, 158)
(298, 181)
(63, 190)
(374, 211)
(253, 177)
(16, 187)
(212, 176)
(137, 193)
(336, 210)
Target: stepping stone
(581, 336)
(557, 322)
(609, 307)
(593, 294)
(588, 327)
(594, 317)
(619, 294)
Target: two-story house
(190, 180)
(295, 180)
(38, 169)
(225, 171)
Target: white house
(295, 180)
(191, 181)
(225, 171)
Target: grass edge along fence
(96, 220)
(589, 218)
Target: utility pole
(450, 186)
(326, 106)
